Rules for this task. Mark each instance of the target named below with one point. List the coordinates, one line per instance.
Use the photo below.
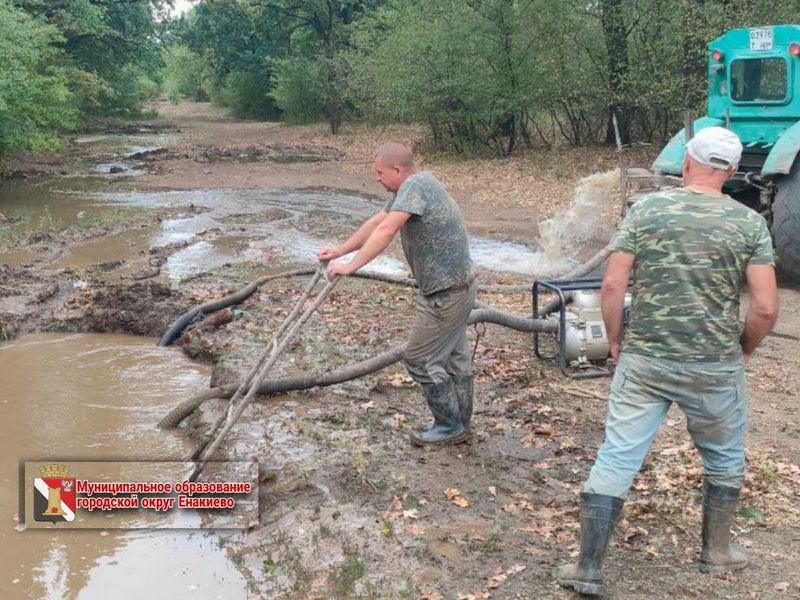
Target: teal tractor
(754, 90)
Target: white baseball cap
(715, 147)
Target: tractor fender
(781, 158)
(671, 158)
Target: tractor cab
(754, 90)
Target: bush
(185, 75)
(125, 93)
(298, 90)
(247, 95)
(35, 99)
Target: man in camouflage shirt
(691, 251)
(434, 238)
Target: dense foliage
(61, 60)
(486, 76)
(35, 98)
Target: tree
(226, 34)
(615, 33)
(321, 28)
(111, 45)
(35, 100)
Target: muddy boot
(719, 510)
(464, 391)
(598, 515)
(447, 428)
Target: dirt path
(517, 192)
(349, 509)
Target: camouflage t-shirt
(435, 236)
(691, 251)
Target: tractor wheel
(786, 222)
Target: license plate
(761, 39)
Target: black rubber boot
(447, 428)
(465, 386)
(598, 515)
(719, 510)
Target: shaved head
(394, 154)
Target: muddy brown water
(49, 204)
(98, 397)
(135, 384)
(217, 227)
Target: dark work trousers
(438, 348)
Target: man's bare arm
(355, 241)
(763, 311)
(376, 243)
(612, 297)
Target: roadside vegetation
(64, 61)
(484, 77)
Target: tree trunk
(332, 85)
(616, 39)
(694, 57)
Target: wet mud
(348, 508)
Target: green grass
(345, 577)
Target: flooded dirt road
(90, 397)
(133, 229)
(214, 228)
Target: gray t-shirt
(435, 236)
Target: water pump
(581, 335)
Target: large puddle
(261, 227)
(97, 397)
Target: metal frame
(560, 287)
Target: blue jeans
(711, 395)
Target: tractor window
(758, 80)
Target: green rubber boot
(465, 389)
(719, 510)
(598, 515)
(447, 428)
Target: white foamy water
(305, 248)
(562, 233)
(513, 258)
(199, 257)
(182, 229)
(290, 226)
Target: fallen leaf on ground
(495, 580)
(454, 495)
(567, 443)
(399, 380)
